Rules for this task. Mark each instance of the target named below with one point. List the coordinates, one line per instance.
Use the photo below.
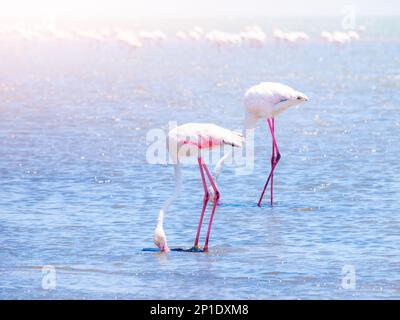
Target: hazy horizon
(179, 9)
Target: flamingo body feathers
(268, 99)
(201, 136)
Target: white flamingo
(265, 100)
(189, 140)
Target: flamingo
(267, 100)
(194, 138)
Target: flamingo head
(300, 97)
(160, 240)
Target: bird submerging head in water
(195, 137)
(263, 101)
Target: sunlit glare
(180, 8)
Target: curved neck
(172, 198)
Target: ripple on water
(77, 192)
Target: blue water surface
(77, 193)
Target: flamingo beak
(302, 97)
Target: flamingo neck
(160, 219)
(172, 198)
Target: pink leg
(216, 197)
(205, 201)
(274, 161)
(272, 164)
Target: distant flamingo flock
(250, 36)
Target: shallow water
(76, 191)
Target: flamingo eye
(299, 98)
